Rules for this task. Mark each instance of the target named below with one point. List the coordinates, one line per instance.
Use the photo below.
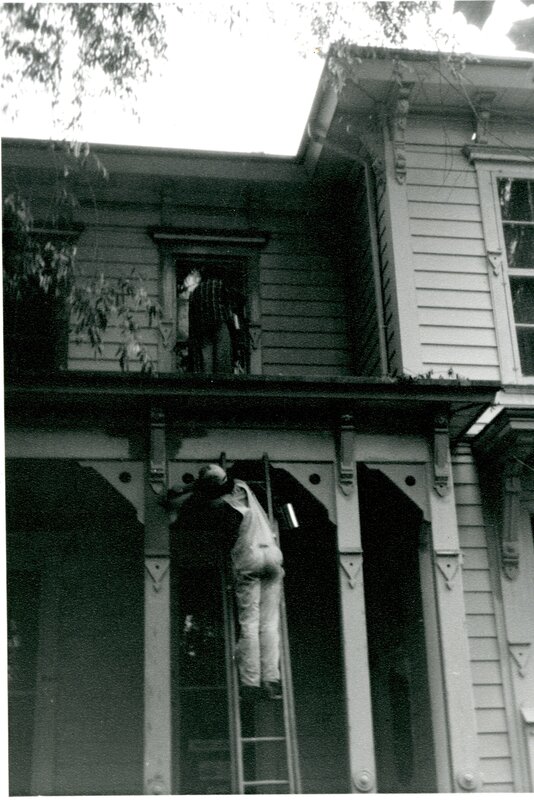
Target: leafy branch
(38, 267)
(95, 303)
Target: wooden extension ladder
(263, 736)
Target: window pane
(523, 299)
(525, 340)
(519, 246)
(515, 198)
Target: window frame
(516, 272)
(176, 244)
(491, 165)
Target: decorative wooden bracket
(346, 457)
(510, 521)
(351, 564)
(255, 336)
(520, 652)
(482, 105)
(495, 259)
(157, 451)
(398, 123)
(448, 563)
(166, 328)
(442, 468)
(157, 568)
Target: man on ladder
(231, 528)
(256, 564)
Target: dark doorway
(391, 525)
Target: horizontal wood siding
(303, 308)
(457, 327)
(494, 744)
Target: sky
(223, 91)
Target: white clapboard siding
(441, 262)
(457, 326)
(431, 226)
(441, 176)
(451, 298)
(481, 623)
(481, 337)
(445, 211)
(456, 317)
(450, 281)
(460, 357)
(448, 245)
(448, 195)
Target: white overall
(257, 570)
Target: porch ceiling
(394, 406)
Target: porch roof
(376, 404)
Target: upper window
(209, 295)
(516, 198)
(212, 321)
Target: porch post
(451, 617)
(354, 629)
(157, 725)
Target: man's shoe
(273, 689)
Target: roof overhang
(440, 84)
(376, 405)
(509, 436)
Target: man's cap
(211, 479)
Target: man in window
(216, 325)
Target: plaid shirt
(209, 307)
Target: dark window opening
(212, 319)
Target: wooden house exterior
(385, 272)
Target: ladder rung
(265, 783)
(249, 739)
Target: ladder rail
(290, 722)
(234, 716)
